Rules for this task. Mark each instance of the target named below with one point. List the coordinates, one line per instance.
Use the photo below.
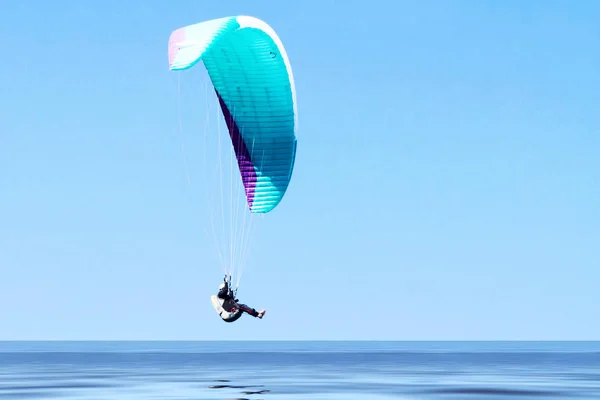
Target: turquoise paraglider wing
(251, 74)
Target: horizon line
(297, 340)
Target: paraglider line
(187, 174)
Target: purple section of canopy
(241, 152)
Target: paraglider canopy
(252, 77)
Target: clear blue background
(446, 186)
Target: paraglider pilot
(230, 303)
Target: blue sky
(446, 185)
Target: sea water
(300, 370)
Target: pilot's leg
(248, 310)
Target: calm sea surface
(300, 370)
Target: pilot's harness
(232, 293)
